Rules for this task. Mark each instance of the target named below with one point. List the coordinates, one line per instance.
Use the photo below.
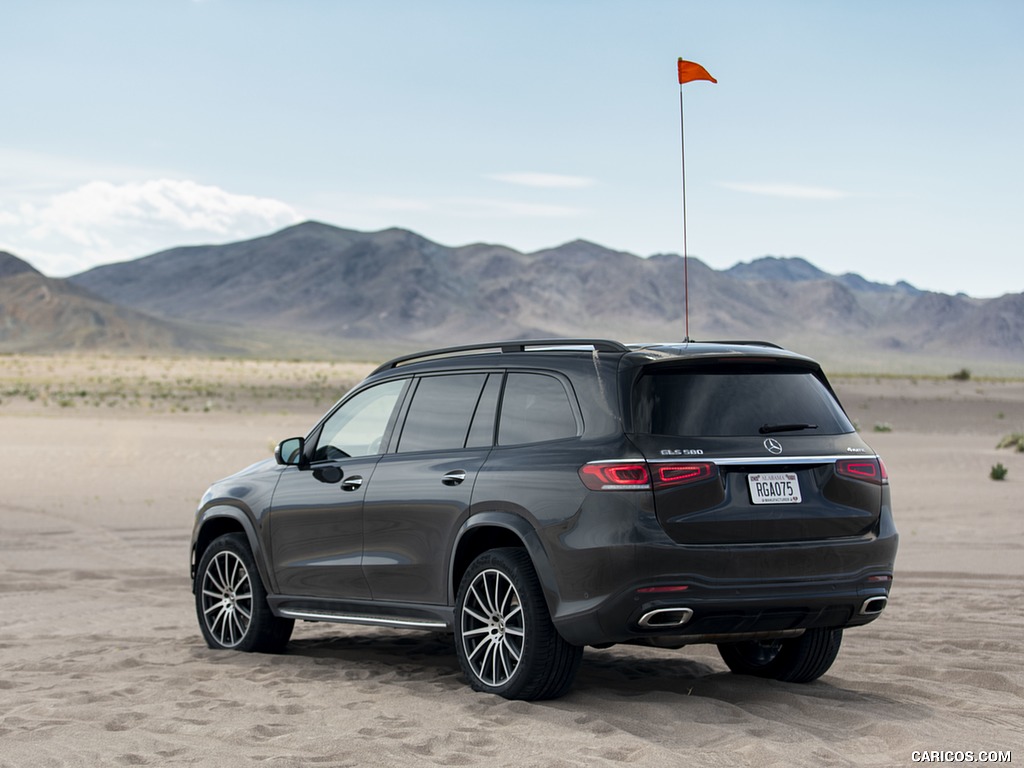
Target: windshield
(731, 402)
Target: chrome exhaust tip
(660, 618)
(873, 605)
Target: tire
(795, 660)
(231, 602)
(504, 637)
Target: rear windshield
(752, 400)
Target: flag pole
(688, 72)
(686, 268)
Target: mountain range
(320, 289)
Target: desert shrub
(962, 375)
(1015, 440)
(998, 472)
(883, 426)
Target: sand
(103, 664)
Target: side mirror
(290, 452)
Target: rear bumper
(707, 594)
(741, 610)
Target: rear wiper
(766, 428)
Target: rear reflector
(869, 470)
(615, 476)
(667, 588)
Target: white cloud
(100, 222)
(794, 191)
(182, 205)
(544, 180)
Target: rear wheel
(505, 640)
(793, 660)
(231, 602)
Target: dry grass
(172, 385)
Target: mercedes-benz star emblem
(773, 446)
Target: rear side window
(441, 412)
(535, 408)
(733, 402)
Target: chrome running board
(345, 618)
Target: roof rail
(515, 345)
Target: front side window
(358, 427)
(735, 401)
(535, 408)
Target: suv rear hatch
(752, 451)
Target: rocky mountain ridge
(321, 282)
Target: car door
(316, 517)
(421, 491)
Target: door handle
(454, 477)
(351, 483)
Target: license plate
(774, 488)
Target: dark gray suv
(536, 497)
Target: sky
(880, 138)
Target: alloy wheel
(493, 627)
(227, 599)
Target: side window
(535, 408)
(441, 411)
(358, 426)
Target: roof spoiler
(724, 342)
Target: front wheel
(231, 602)
(504, 637)
(793, 660)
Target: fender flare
(527, 534)
(240, 516)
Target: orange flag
(689, 71)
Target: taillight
(615, 476)
(683, 474)
(624, 476)
(869, 470)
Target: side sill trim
(344, 618)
